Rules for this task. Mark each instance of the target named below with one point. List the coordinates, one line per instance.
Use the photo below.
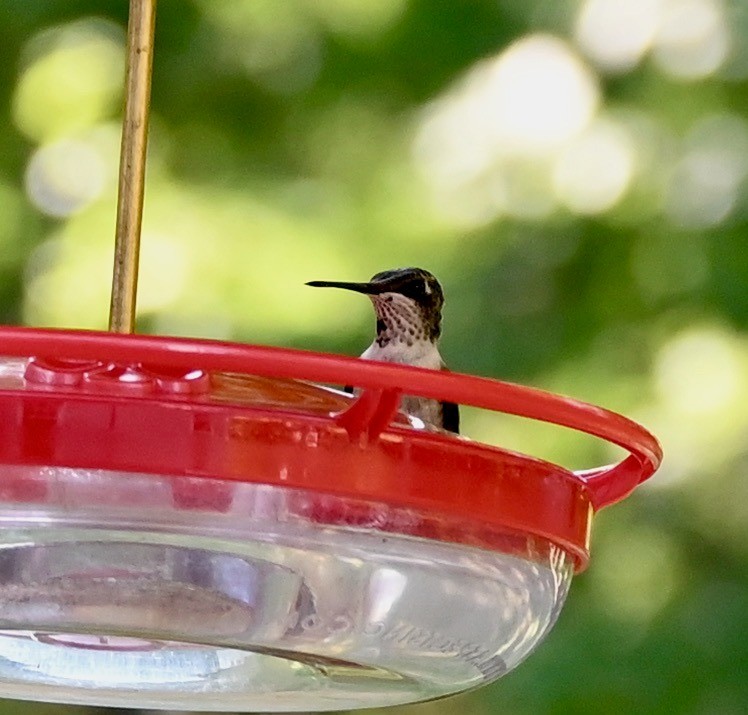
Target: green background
(573, 172)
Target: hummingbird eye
(415, 289)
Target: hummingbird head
(408, 303)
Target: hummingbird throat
(401, 320)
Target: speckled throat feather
(401, 318)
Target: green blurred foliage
(574, 173)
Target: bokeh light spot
(163, 272)
(358, 17)
(700, 384)
(693, 40)
(277, 44)
(537, 94)
(64, 177)
(521, 106)
(705, 182)
(68, 283)
(594, 171)
(638, 574)
(616, 34)
(73, 81)
(700, 372)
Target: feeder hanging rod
(140, 33)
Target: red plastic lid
(204, 408)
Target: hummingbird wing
(451, 417)
(450, 413)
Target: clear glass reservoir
(119, 588)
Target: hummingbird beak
(367, 288)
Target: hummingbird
(408, 306)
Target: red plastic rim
(360, 452)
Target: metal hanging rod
(140, 31)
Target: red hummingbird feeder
(198, 525)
